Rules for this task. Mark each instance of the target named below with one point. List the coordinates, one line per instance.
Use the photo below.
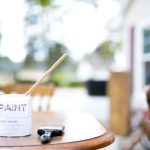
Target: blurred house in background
(132, 28)
(8, 71)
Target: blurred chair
(41, 95)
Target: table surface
(82, 131)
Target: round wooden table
(82, 132)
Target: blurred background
(108, 63)
(35, 33)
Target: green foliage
(65, 79)
(46, 3)
(4, 59)
(43, 3)
(29, 60)
(23, 81)
(107, 49)
(59, 78)
(65, 72)
(76, 84)
(55, 51)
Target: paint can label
(15, 115)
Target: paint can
(15, 115)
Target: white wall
(137, 10)
(137, 15)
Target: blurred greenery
(64, 74)
(103, 55)
(61, 78)
(55, 51)
(43, 3)
(39, 41)
(4, 59)
(108, 48)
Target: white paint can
(15, 115)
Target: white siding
(137, 15)
(137, 11)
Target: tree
(56, 50)
(36, 27)
(107, 49)
(103, 55)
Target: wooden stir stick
(46, 73)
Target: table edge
(92, 144)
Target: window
(146, 37)
(147, 73)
